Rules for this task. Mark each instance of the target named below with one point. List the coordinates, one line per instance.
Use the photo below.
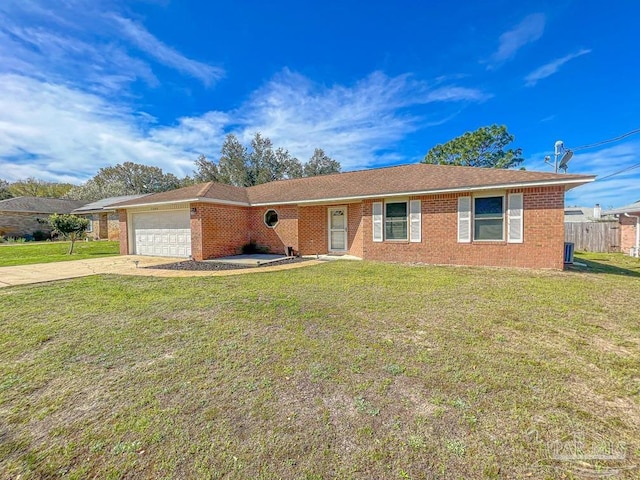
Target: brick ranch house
(413, 213)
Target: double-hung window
(395, 221)
(488, 218)
(485, 218)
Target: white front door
(338, 229)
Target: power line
(611, 140)
(632, 167)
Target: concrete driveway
(120, 265)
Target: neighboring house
(413, 213)
(23, 216)
(629, 220)
(104, 219)
(585, 214)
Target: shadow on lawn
(604, 265)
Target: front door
(338, 229)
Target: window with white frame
(488, 218)
(395, 221)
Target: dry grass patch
(343, 370)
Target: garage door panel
(163, 234)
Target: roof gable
(211, 190)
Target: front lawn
(342, 370)
(47, 252)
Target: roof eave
(622, 211)
(94, 210)
(178, 202)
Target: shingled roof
(380, 182)
(39, 205)
(104, 204)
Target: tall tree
(96, 189)
(206, 171)
(261, 160)
(233, 168)
(267, 165)
(484, 147)
(290, 165)
(138, 178)
(261, 163)
(126, 179)
(32, 187)
(321, 164)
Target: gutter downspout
(637, 247)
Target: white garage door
(163, 234)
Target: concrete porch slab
(328, 257)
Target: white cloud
(74, 133)
(552, 67)
(353, 124)
(66, 80)
(527, 31)
(85, 38)
(55, 132)
(167, 55)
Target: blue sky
(90, 83)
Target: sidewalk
(117, 265)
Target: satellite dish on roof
(565, 160)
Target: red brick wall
(627, 233)
(218, 230)
(285, 233)
(313, 229)
(355, 230)
(124, 232)
(542, 246)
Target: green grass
(608, 263)
(47, 252)
(342, 370)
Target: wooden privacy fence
(593, 236)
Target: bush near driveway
(342, 370)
